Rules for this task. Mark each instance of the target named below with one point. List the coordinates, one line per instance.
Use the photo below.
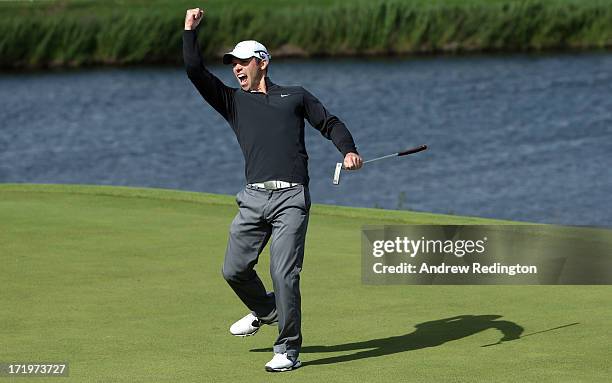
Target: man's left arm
(333, 129)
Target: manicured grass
(125, 284)
(48, 33)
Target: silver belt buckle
(270, 185)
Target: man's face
(248, 72)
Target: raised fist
(193, 18)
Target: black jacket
(269, 127)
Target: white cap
(245, 50)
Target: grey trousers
(280, 215)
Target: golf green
(125, 284)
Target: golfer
(268, 120)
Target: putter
(339, 165)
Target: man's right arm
(217, 94)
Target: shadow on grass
(427, 334)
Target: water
(516, 137)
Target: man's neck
(261, 87)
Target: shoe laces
(284, 356)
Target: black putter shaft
(399, 154)
(340, 166)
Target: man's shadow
(427, 334)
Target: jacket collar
(269, 85)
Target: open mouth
(242, 79)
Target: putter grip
(413, 150)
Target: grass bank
(79, 32)
(125, 285)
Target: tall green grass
(121, 32)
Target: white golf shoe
(281, 362)
(246, 326)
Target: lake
(520, 137)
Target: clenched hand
(352, 161)
(193, 18)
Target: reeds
(74, 36)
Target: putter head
(337, 173)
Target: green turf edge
(403, 216)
